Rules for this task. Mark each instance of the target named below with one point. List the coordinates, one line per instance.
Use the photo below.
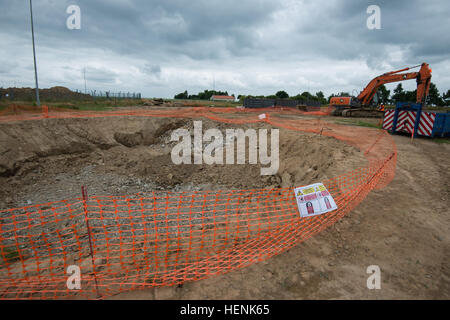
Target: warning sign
(314, 200)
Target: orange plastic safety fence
(165, 238)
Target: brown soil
(394, 228)
(43, 161)
(404, 229)
(54, 93)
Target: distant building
(223, 98)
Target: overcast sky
(163, 47)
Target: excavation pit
(49, 160)
(149, 219)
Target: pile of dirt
(51, 94)
(50, 159)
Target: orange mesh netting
(165, 238)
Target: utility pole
(84, 72)
(34, 56)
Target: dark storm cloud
(414, 25)
(131, 27)
(338, 30)
(251, 45)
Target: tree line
(205, 95)
(434, 97)
(302, 97)
(384, 96)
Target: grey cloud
(239, 37)
(153, 70)
(100, 75)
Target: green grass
(442, 140)
(359, 123)
(369, 125)
(103, 104)
(98, 104)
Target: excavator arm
(423, 78)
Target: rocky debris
(158, 102)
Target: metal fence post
(85, 199)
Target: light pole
(84, 72)
(34, 56)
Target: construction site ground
(403, 228)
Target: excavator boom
(423, 78)
(361, 105)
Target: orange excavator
(365, 106)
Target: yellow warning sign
(308, 191)
(314, 200)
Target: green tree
(446, 98)
(383, 94)
(446, 95)
(306, 95)
(183, 95)
(205, 95)
(434, 97)
(399, 93)
(282, 95)
(321, 97)
(410, 96)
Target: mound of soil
(55, 93)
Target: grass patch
(98, 104)
(369, 125)
(359, 123)
(442, 140)
(95, 104)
